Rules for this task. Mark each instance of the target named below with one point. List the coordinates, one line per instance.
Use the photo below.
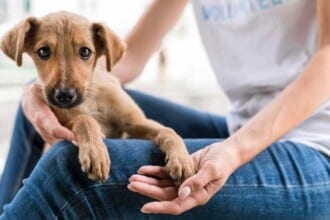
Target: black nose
(65, 97)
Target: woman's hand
(215, 163)
(42, 117)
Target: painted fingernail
(74, 143)
(184, 192)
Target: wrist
(243, 148)
(228, 150)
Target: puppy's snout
(65, 97)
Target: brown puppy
(65, 48)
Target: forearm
(323, 16)
(292, 106)
(146, 36)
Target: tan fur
(106, 109)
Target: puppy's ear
(108, 43)
(15, 42)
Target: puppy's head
(64, 48)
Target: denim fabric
(24, 152)
(287, 180)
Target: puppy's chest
(111, 124)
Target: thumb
(55, 129)
(196, 182)
(60, 132)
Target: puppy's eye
(85, 53)
(44, 53)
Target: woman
(269, 158)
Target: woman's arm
(323, 17)
(146, 36)
(295, 103)
(218, 161)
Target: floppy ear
(108, 43)
(14, 43)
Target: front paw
(94, 160)
(180, 167)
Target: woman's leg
(187, 122)
(288, 181)
(24, 152)
(26, 145)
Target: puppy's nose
(65, 96)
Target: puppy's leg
(93, 154)
(178, 161)
(136, 125)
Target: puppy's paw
(180, 167)
(94, 160)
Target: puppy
(65, 47)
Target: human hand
(41, 116)
(215, 163)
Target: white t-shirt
(256, 48)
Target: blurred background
(179, 70)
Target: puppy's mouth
(64, 100)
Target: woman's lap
(187, 122)
(287, 180)
(26, 145)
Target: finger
(152, 191)
(156, 171)
(55, 135)
(197, 182)
(47, 122)
(151, 180)
(178, 206)
(198, 155)
(42, 117)
(61, 132)
(45, 136)
(174, 207)
(214, 186)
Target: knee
(61, 159)
(127, 156)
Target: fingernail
(184, 192)
(74, 143)
(144, 211)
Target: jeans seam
(279, 186)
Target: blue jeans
(288, 180)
